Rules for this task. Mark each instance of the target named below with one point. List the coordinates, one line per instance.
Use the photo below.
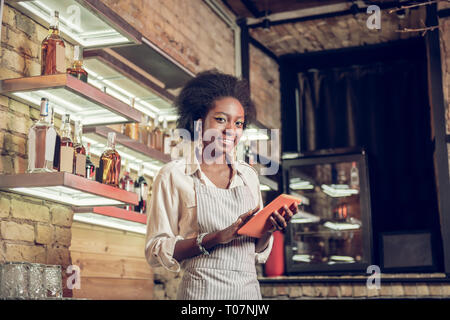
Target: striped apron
(228, 272)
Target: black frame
(384, 269)
(345, 155)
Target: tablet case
(255, 226)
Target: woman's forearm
(188, 248)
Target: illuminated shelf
(108, 69)
(66, 188)
(112, 217)
(133, 151)
(69, 95)
(89, 23)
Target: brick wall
(31, 230)
(265, 88)
(189, 31)
(444, 32)
(318, 288)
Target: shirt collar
(192, 164)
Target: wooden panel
(111, 266)
(95, 239)
(114, 289)
(112, 263)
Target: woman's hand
(279, 220)
(230, 233)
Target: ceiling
(300, 26)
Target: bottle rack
(66, 188)
(68, 94)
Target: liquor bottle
(354, 177)
(166, 137)
(143, 130)
(127, 183)
(41, 142)
(149, 133)
(79, 160)
(77, 67)
(90, 167)
(57, 152)
(141, 188)
(132, 129)
(109, 168)
(157, 136)
(53, 50)
(66, 149)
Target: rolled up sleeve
(162, 224)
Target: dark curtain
(383, 108)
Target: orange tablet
(255, 226)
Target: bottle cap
(44, 107)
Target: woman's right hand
(230, 233)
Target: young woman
(199, 202)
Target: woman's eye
(239, 124)
(221, 120)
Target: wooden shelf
(66, 188)
(125, 145)
(112, 217)
(68, 94)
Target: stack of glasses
(23, 280)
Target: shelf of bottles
(67, 88)
(89, 23)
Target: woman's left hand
(278, 220)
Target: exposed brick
(58, 255)
(26, 253)
(18, 124)
(29, 211)
(359, 290)
(268, 291)
(11, 230)
(410, 289)
(63, 236)
(61, 216)
(385, 290)
(445, 287)
(5, 206)
(422, 290)
(320, 290)
(44, 233)
(333, 290)
(20, 164)
(435, 289)
(346, 290)
(25, 24)
(282, 290)
(374, 292)
(6, 165)
(19, 107)
(308, 290)
(15, 143)
(295, 291)
(397, 290)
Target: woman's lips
(227, 141)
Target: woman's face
(225, 120)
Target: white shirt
(172, 211)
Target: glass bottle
(166, 138)
(109, 168)
(157, 136)
(90, 167)
(79, 160)
(66, 148)
(141, 188)
(150, 134)
(143, 136)
(53, 55)
(132, 129)
(57, 152)
(41, 142)
(354, 176)
(77, 67)
(127, 183)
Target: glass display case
(332, 229)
